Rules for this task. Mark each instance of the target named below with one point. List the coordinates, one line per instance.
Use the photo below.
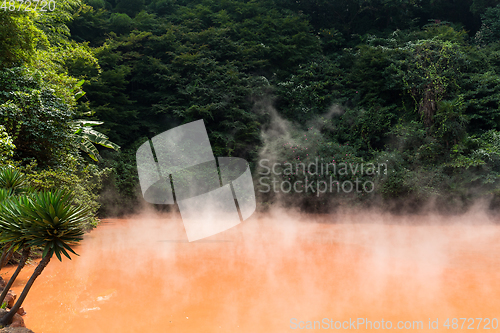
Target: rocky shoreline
(17, 325)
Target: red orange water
(141, 275)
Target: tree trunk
(428, 104)
(7, 319)
(6, 255)
(22, 261)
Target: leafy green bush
(35, 118)
(6, 145)
(84, 181)
(490, 26)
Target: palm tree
(12, 233)
(53, 222)
(12, 182)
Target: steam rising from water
(141, 274)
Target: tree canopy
(411, 83)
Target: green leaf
(90, 149)
(65, 253)
(58, 254)
(78, 85)
(79, 95)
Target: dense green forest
(411, 84)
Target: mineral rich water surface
(279, 272)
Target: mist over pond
(141, 274)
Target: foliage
(12, 220)
(49, 220)
(35, 118)
(85, 183)
(13, 180)
(55, 223)
(6, 145)
(395, 81)
(19, 35)
(87, 137)
(38, 94)
(490, 26)
(13, 190)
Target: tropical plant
(12, 182)
(55, 223)
(4, 194)
(12, 224)
(6, 251)
(86, 137)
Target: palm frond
(4, 194)
(13, 220)
(57, 223)
(13, 179)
